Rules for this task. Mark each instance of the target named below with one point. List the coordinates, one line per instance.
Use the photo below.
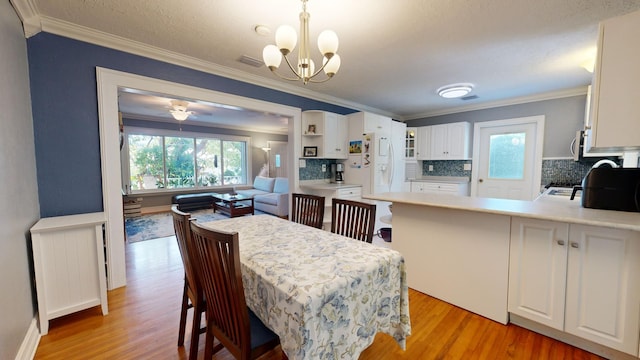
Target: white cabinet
(580, 279)
(440, 187)
(423, 151)
(537, 270)
(603, 286)
(615, 119)
(69, 265)
(364, 122)
(329, 135)
(450, 141)
(410, 143)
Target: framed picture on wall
(310, 151)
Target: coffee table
(233, 205)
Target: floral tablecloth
(325, 295)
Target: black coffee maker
(337, 173)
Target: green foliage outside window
(158, 162)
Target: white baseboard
(30, 342)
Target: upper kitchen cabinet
(615, 116)
(364, 122)
(450, 141)
(423, 149)
(410, 143)
(327, 132)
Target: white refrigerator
(376, 161)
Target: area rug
(159, 225)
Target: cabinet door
(458, 141)
(342, 138)
(603, 286)
(424, 143)
(376, 123)
(439, 142)
(537, 270)
(335, 136)
(410, 143)
(615, 118)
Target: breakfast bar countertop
(570, 212)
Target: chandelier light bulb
(272, 56)
(328, 43)
(332, 67)
(286, 39)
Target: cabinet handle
(561, 242)
(575, 245)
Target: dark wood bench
(189, 202)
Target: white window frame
(135, 130)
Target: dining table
(325, 295)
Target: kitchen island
(559, 269)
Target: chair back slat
(308, 209)
(218, 263)
(182, 230)
(353, 219)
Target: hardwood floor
(143, 324)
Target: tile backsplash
(446, 168)
(313, 169)
(565, 171)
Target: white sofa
(270, 195)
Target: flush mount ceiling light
(455, 90)
(286, 39)
(179, 110)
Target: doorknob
(480, 180)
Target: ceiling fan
(179, 110)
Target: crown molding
(81, 33)
(34, 23)
(28, 13)
(582, 90)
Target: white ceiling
(395, 54)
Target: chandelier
(304, 70)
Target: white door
(278, 159)
(508, 158)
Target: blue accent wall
(65, 113)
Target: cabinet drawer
(349, 193)
(440, 187)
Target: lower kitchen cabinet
(537, 270)
(603, 286)
(456, 188)
(580, 279)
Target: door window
(507, 156)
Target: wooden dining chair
(192, 295)
(353, 219)
(307, 209)
(228, 318)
